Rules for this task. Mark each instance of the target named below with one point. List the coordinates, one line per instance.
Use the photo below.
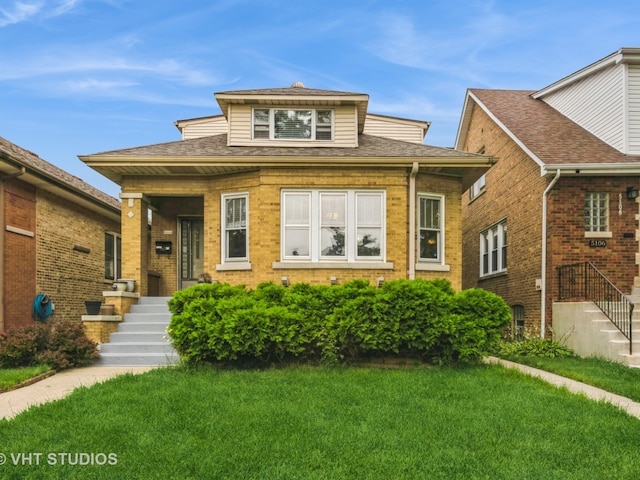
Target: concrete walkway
(631, 407)
(62, 384)
(58, 386)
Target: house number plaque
(597, 243)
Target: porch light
(632, 193)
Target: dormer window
(289, 124)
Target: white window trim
(499, 228)
(314, 117)
(223, 229)
(315, 257)
(478, 187)
(441, 250)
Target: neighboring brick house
(286, 186)
(56, 229)
(567, 156)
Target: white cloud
(19, 12)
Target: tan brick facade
(173, 198)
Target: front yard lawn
(13, 377)
(483, 422)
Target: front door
(191, 251)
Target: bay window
(332, 225)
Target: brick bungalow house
(290, 185)
(60, 238)
(565, 184)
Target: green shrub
(59, 344)
(218, 322)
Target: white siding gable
(596, 103)
(633, 109)
(395, 128)
(202, 127)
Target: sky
(86, 76)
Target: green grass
(601, 373)
(483, 422)
(10, 377)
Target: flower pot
(129, 282)
(93, 307)
(120, 286)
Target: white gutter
(543, 301)
(412, 220)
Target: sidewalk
(631, 407)
(58, 386)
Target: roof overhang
(42, 181)
(592, 169)
(626, 55)
(117, 167)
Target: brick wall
(19, 253)
(567, 241)
(513, 192)
(68, 275)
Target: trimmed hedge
(223, 323)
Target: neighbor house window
(478, 187)
(290, 124)
(235, 227)
(596, 212)
(517, 312)
(493, 249)
(112, 256)
(330, 225)
(430, 217)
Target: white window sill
(432, 267)
(231, 266)
(333, 265)
(598, 234)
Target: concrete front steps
(587, 331)
(141, 339)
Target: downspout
(2, 179)
(412, 220)
(543, 289)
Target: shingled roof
(37, 167)
(216, 146)
(550, 137)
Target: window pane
(323, 125)
(297, 209)
(236, 212)
(296, 242)
(429, 244)
(332, 242)
(369, 209)
(369, 242)
(237, 243)
(294, 124)
(332, 209)
(429, 213)
(109, 257)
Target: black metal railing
(583, 281)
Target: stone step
(137, 347)
(140, 327)
(132, 337)
(141, 339)
(137, 359)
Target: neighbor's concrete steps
(141, 338)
